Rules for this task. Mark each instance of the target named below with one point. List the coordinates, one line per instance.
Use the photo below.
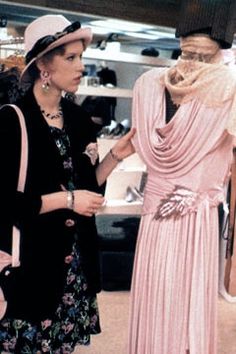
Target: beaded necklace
(57, 115)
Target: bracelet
(70, 200)
(114, 156)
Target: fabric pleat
(174, 292)
(173, 313)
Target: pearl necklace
(57, 115)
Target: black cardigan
(34, 290)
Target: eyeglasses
(45, 41)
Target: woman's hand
(124, 147)
(87, 203)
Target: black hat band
(45, 41)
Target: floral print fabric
(63, 144)
(76, 317)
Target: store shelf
(120, 206)
(123, 57)
(104, 91)
(128, 173)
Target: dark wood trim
(156, 12)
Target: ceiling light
(121, 25)
(141, 35)
(161, 34)
(101, 30)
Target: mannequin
(185, 121)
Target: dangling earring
(45, 77)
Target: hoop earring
(45, 78)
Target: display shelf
(128, 173)
(120, 206)
(104, 91)
(123, 57)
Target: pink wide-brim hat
(50, 25)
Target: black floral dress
(77, 315)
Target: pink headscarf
(212, 82)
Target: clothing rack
(12, 53)
(15, 40)
(11, 45)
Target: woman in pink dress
(185, 118)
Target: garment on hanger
(99, 107)
(10, 88)
(108, 76)
(13, 61)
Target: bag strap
(24, 150)
(21, 182)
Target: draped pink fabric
(175, 277)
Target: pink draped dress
(175, 278)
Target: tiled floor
(114, 319)
(227, 327)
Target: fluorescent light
(141, 35)
(160, 34)
(101, 30)
(121, 25)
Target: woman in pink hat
(51, 297)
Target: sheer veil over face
(200, 47)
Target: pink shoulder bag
(13, 259)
